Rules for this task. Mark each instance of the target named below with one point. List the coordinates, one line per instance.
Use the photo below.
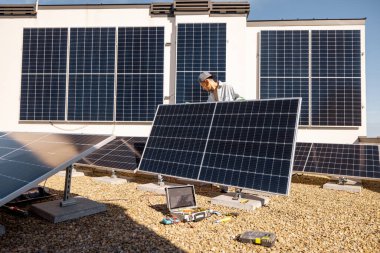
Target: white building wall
(311, 134)
(242, 64)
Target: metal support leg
(160, 180)
(237, 194)
(66, 201)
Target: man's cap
(203, 76)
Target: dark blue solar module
(284, 67)
(43, 81)
(347, 160)
(200, 47)
(122, 153)
(140, 78)
(336, 78)
(26, 159)
(91, 77)
(247, 144)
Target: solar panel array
(91, 78)
(200, 47)
(284, 67)
(92, 85)
(336, 78)
(140, 75)
(351, 160)
(247, 144)
(121, 153)
(43, 79)
(26, 159)
(321, 66)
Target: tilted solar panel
(121, 153)
(347, 160)
(26, 159)
(247, 144)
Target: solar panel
(43, 78)
(301, 155)
(350, 160)
(121, 153)
(26, 159)
(336, 78)
(140, 78)
(200, 47)
(284, 67)
(91, 77)
(246, 144)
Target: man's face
(208, 85)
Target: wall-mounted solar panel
(121, 153)
(140, 78)
(43, 79)
(91, 74)
(26, 159)
(247, 144)
(200, 47)
(347, 160)
(336, 78)
(284, 67)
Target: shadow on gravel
(371, 185)
(110, 231)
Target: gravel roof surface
(311, 219)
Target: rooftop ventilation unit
(191, 7)
(159, 9)
(223, 8)
(18, 10)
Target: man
(218, 91)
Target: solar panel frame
(200, 170)
(24, 184)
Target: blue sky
(307, 9)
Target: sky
(336, 9)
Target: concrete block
(351, 186)
(111, 180)
(53, 212)
(152, 187)
(2, 230)
(74, 173)
(247, 202)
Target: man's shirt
(225, 93)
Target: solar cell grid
(200, 47)
(248, 144)
(121, 153)
(43, 79)
(140, 76)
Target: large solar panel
(336, 78)
(43, 79)
(284, 67)
(122, 153)
(200, 47)
(140, 78)
(26, 159)
(91, 77)
(349, 160)
(246, 144)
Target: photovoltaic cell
(91, 77)
(43, 79)
(140, 78)
(301, 155)
(349, 160)
(121, 153)
(26, 159)
(284, 67)
(247, 144)
(200, 47)
(336, 78)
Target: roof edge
(306, 22)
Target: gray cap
(203, 76)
